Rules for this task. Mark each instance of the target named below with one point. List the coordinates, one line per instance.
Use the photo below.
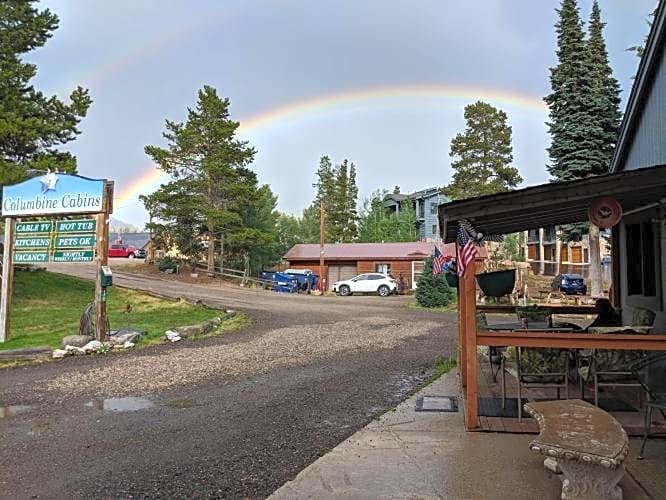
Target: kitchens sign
(53, 193)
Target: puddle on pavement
(121, 404)
(11, 410)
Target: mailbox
(106, 276)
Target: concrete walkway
(423, 455)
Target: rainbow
(298, 110)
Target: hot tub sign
(53, 193)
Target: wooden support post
(102, 260)
(7, 281)
(462, 336)
(469, 320)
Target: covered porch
(639, 192)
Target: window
(641, 259)
(533, 236)
(375, 277)
(434, 229)
(433, 208)
(383, 268)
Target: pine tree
(572, 124)
(433, 291)
(209, 168)
(606, 95)
(33, 126)
(352, 204)
(483, 154)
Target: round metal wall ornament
(605, 212)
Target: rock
(128, 345)
(172, 336)
(74, 350)
(188, 331)
(121, 338)
(230, 312)
(92, 346)
(76, 340)
(59, 353)
(552, 465)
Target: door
(417, 269)
(361, 283)
(115, 251)
(340, 272)
(577, 254)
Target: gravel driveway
(228, 417)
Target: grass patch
(47, 307)
(452, 307)
(442, 366)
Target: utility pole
(322, 277)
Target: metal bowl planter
(451, 279)
(497, 283)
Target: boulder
(128, 345)
(74, 350)
(172, 336)
(92, 346)
(187, 331)
(76, 340)
(59, 353)
(121, 338)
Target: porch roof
(552, 203)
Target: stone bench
(589, 445)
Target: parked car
(570, 284)
(378, 283)
(126, 251)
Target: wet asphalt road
(226, 437)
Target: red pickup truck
(127, 251)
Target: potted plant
(499, 280)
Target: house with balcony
(547, 254)
(425, 204)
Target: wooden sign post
(61, 241)
(7, 281)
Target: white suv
(378, 283)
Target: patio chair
(612, 368)
(645, 372)
(538, 367)
(493, 352)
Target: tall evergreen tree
(33, 126)
(605, 94)
(572, 124)
(336, 188)
(483, 154)
(210, 167)
(584, 113)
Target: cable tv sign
(53, 193)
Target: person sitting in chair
(606, 314)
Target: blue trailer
(285, 279)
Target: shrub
(433, 291)
(166, 263)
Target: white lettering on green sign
(32, 242)
(30, 257)
(73, 256)
(82, 241)
(76, 226)
(34, 227)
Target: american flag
(467, 251)
(437, 262)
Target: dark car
(570, 284)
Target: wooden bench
(589, 445)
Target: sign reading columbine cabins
(53, 193)
(62, 241)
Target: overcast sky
(402, 73)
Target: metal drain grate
(437, 403)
